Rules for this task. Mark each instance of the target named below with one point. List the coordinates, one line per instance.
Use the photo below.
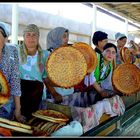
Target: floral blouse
(10, 68)
(9, 65)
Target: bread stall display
(45, 122)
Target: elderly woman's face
(65, 38)
(31, 40)
(2, 39)
(109, 54)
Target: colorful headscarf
(54, 37)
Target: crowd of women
(25, 70)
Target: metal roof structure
(128, 10)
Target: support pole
(15, 24)
(93, 24)
(126, 27)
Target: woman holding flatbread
(103, 71)
(57, 37)
(9, 64)
(121, 40)
(98, 84)
(135, 51)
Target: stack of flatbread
(45, 122)
(15, 126)
(44, 128)
(51, 115)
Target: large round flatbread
(126, 78)
(66, 66)
(125, 54)
(4, 89)
(51, 115)
(89, 53)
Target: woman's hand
(58, 98)
(19, 117)
(104, 94)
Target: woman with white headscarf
(58, 37)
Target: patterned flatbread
(125, 54)
(89, 53)
(126, 78)
(66, 66)
(51, 115)
(4, 89)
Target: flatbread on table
(89, 53)
(51, 115)
(126, 78)
(16, 126)
(4, 89)
(66, 66)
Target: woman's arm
(50, 87)
(15, 84)
(17, 111)
(100, 90)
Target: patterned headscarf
(54, 37)
(32, 28)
